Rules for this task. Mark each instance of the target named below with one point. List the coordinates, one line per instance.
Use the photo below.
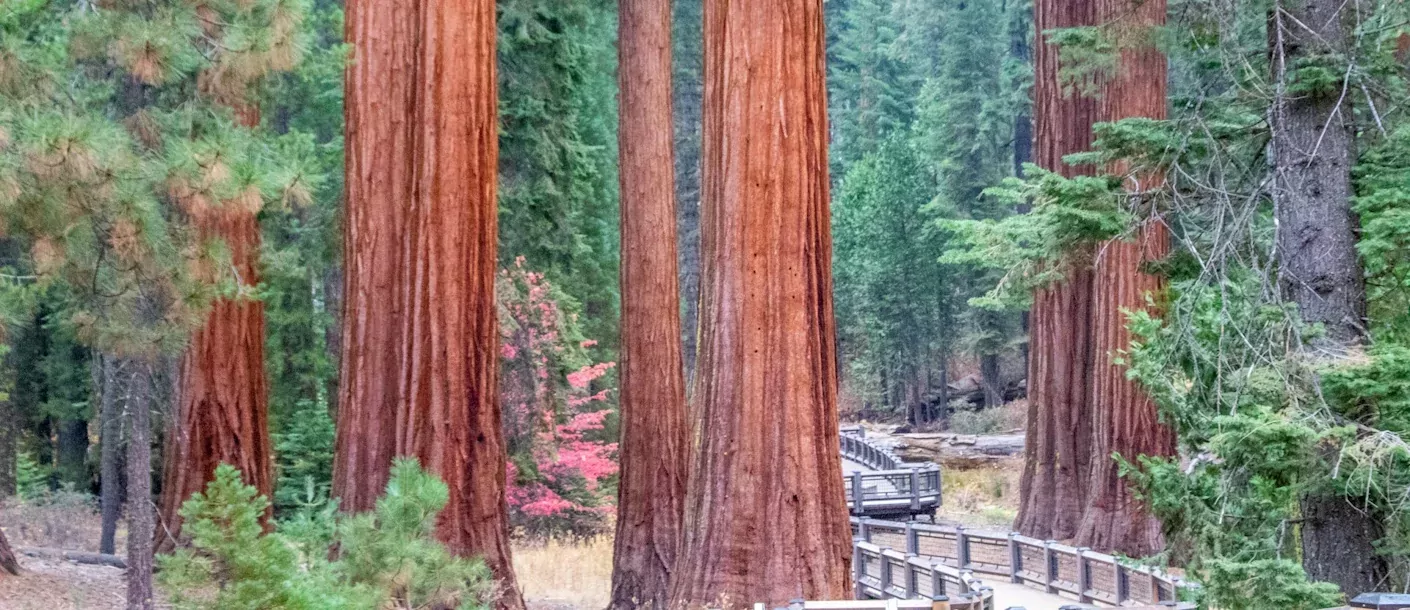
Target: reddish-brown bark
(1058, 447)
(766, 518)
(222, 410)
(1125, 421)
(8, 563)
(654, 443)
(420, 368)
(377, 108)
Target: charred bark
(1313, 152)
(141, 514)
(222, 406)
(8, 563)
(766, 518)
(110, 369)
(1057, 450)
(655, 441)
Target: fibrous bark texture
(766, 518)
(1057, 451)
(222, 407)
(654, 443)
(1124, 419)
(422, 159)
(8, 563)
(1319, 269)
(379, 94)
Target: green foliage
(386, 559)
(31, 479)
(1270, 584)
(303, 450)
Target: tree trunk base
(8, 563)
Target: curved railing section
(903, 560)
(891, 488)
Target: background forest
(942, 230)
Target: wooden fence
(904, 559)
(891, 488)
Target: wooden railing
(892, 488)
(960, 554)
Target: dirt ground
(62, 585)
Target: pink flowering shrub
(556, 404)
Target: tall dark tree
(1057, 450)
(655, 439)
(766, 518)
(1319, 270)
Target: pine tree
(869, 88)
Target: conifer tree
(421, 362)
(655, 440)
(766, 377)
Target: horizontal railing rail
(1045, 565)
(890, 487)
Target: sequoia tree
(8, 563)
(766, 520)
(1320, 271)
(222, 406)
(654, 442)
(422, 159)
(1057, 451)
(1124, 419)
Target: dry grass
(60, 520)
(983, 497)
(559, 574)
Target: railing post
(912, 539)
(1015, 559)
(1050, 567)
(911, 583)
(885, 576)
(1084, 576)
(915, 489)
(859, 568)
(961, 547)
(1123, 584)
(858, 495)
(864, 529)
(937, 581)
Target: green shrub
(384, 560)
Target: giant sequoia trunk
(422, 158)
(379, 93)
(1057, 451)
(8, 563)
(222, 406)
(1319, 269)
(766, 518)
(654, 443)
(1124, 419)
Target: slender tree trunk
(9, 445)
(421, 358)
(8, 563)
(991, 380)
(222, 405)
(379, 97)
(71, 452)
(110, 369)
(1124, 419)
(655, 439)
(141, 515)
(1057, 451)
(766, 518)
(1320, 272)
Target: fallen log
(83, 557)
